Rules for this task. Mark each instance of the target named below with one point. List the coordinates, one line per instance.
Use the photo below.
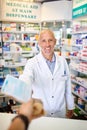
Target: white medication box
(16, 88)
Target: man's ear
(55, 41)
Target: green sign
(80, 11)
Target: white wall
(77, 3)
(57, 10)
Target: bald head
(46, 31)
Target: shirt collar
(53, 58)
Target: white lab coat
(53, 89)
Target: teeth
(47, 48)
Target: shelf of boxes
(17, 40)
(78, 66)
(84, 112)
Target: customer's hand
(69, 113)
(32, 109)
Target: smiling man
(48, 75)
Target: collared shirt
(51, 64)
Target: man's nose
(47, 43)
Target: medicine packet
(16, 88)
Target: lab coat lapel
(57, 64)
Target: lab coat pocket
(63, 77)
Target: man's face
(47, 43)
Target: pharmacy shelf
(21, 32)
(81, 109)
(79, 32)
(14, 65)
(78, 63)
(79, 96)
(74, 81)
(20, 41)
(77, 45)
(12, 52)
(76, 69)
(76, 58)
(9, 52)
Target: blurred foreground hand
(32, 109)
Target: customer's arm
(26, 115)
(18, 124)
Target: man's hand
(69, 113)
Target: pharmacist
(48, 75)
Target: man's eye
(43, 41)
(50, 40)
